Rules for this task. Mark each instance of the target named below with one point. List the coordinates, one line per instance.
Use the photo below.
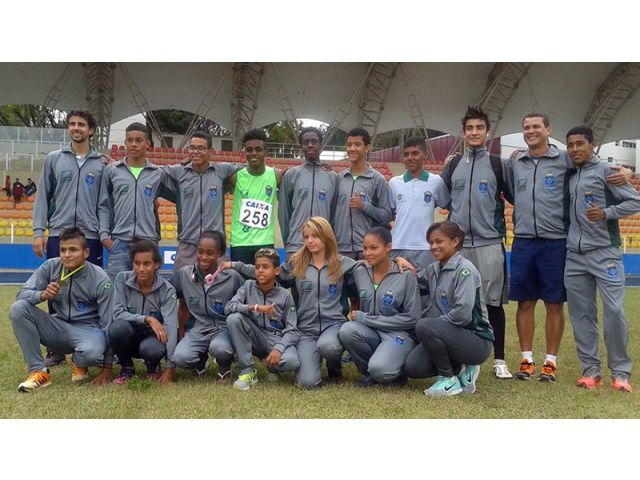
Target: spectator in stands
(414, 197)
(80, 296)
(254, 193)
(594, 259)
(307, 190)
(17, 190)
(363, 197)
(455, 335)
(128, 193)
(7, 186)
(477, 186)
(538, 181)
(30, 189)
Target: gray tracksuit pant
(248, 338)
(312, 349)
(33, 326)
(193, 348)
(601, 268)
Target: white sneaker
(500, 370)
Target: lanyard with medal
(64, 277)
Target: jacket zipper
(575, 209)
(473, 164)
(319, 317)
(353, 186)
(69, 297)
(313, 189)
(201, 205)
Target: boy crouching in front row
(262, 320)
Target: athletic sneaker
(468, 376)
(126, 374)
(500, 370)
(444, 387)
(589, 381)
(35, 380)
(246, 380)
(54, 359)
(548, 372)
(201, 369)
(79, 374)
(527, 370)
(366, 382)
(622, 385)
(224, 374)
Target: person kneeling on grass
(456, 336)
(262, 320)
(80, 295)
(379, 337)
(145, 316)
(206, 289)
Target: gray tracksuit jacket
(456, 296)
(128, 207)
(84, 298)
(351, 224)
(68, 195)
(282, 323)
(200, 198)
(321, 302)
(393, 306)
(476, 203)
(206, 302)
(589, 186)
(305, 191)
(131, 305)
(541, 194)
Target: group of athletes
(369, 275)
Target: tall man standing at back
(363, 197)
(307, 190)
(476, 182)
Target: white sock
(551, 358)
(528, 356)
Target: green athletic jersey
(253, 217)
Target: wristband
(255, 308)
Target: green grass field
(203, 398)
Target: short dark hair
(581, 130)
(543, 116)
(205, 136)
(269, 254)
(142, 245)
(475, 112)
(255, 134)
(87, 116)
(415, 142)
(383, 233)
(360, 132)
(74, 233)
(138, 127)
(315, 130)
(217, 237)
(450, 229)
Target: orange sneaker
(548, 373)
(589, 382)
(622, 385)
(527, 370)
(35, 380)
(78, 374)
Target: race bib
(255, 214)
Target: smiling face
(356, 149)
(536, 135)
(72, 253)
(375, 250)
(78, 129)
(475, 133)
(443, 247)
(310, 146)
(414, 159)
(199, 152)
(207, 255)
(255, 151)
(580, 149)
(144, 266)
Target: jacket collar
(452, 264)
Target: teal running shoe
(444, 387)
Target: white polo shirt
(414, 201)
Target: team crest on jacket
(427, 197)
(322, 195)
(612, 270)
(148, 188)
(444, 300)
(274, 323)
(333, 289)
(398, 340)
(213, 192)
(363, 196)
(218, 306)
(80, 305)
(549, 181)
(483, 187)
(387, 299)
(90, 178)
(588, 199)
(268, 190)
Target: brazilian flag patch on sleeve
(465, 272)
